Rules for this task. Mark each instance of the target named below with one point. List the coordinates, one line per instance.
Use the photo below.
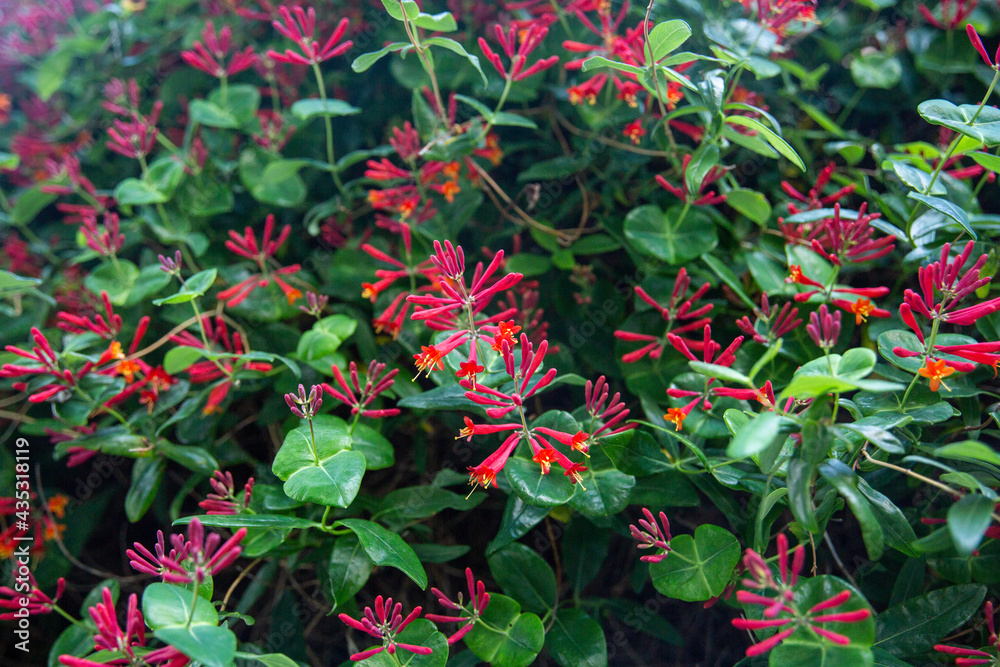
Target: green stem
(194, 604)
(312, 434)
(62, 612)
(499, 106)
(923, 360)
(322, 521)
(330, 156)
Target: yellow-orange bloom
(935, 371)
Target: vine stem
(424, 62)
(330, 155)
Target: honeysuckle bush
(697, 297)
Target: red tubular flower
(224, 501)
(936, 371)
(190, 560)
(862, 309)
(680, 314)
(105, 240)
(105, 328)
(451, 264)
(703, 198)
(209, 55)
(486, 472)
(299, 25)
(953, 13)
(136, 137)
(784, 602)
(530, 37)
(596, 395)
(385, 624)
(824, 327)
(38, 602)
(839, 240)
(815, 199)
(978, 44)
(785, 320)
(359, 398)
(246, 245)
(588, 90)
(969, 656)
(980, 353)
(635, 131)
(943, 276)
(48, 364)
(652, 536)
(478, 601)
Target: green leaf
(508, 637)
(193, 458)
(667, 36)
(363, 62)
(166, 609)
(915, 178)
(913, 627)
(525, 576)
(986, 129)
(771, 137)
(387, 548)
(441, 22)
(946, 208)
(986, 160)
(349, 569)
(194, 287)
(518, 518)
(969, 450)
(600, 62)
(604, 491)
(667, 236)
(897, 530)
(150, 281)
(313, 108)
(750, 203)
(9, 160)
(117, 280)
(179, 358)
(335, 478)
(756, 436)
(455, 47)
(527, 481)
(208, 114)
(377, 450)
(240, 102)
(636, 453)
(11, 284)
(705, 567)
(420, 502)
(147, 474)
(133, 192)
(968, 520)
(249, 521)
(876, 70)
(577, 639)
(29, 204)
(508, 119)
(396, 12)
(841, 477)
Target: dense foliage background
(707, 279)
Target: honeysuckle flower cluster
(469, 615)
(680, 314)
(952, 13)
(299, 26)
(530, 38)
(191, 559)
(246, 245)
(38, 602)
(968, 657)
(223, 500)
(652, 535)
(211, 52)
(124, 642)
(385, 623)
(610, 412)
(783, 610)
(699, 198)
(359, 396)
(773, 323)
(814, 198)
(225, 369)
